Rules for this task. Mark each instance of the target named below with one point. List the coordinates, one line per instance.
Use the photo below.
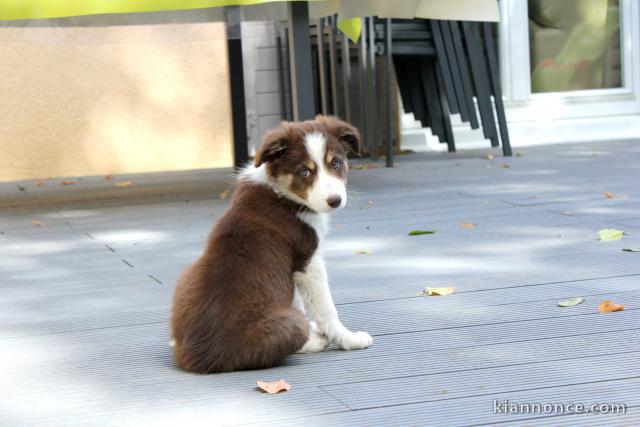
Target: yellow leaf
(468, 225)
(432, 292)
(571, 302)
(363, 252)
(123, 184)
(69, 182)
(38, 223)
(610, 234)
(609, 195)
(274, 386)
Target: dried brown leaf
(274, 386)
(489, 157)
(69, 182)
(468, 225)
(109, 177)
(224, 194)
(609, 195)
(505, 166)
(38, 223)
(609, 307)
(39, 182)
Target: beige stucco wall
(97, 100)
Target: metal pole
(364, 85)
(387, 89)
(300, 55)
(373, 92)
(346, 76)
(322, 66)
(333, 64)
(236, 72)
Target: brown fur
(232, 309)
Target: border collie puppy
(242, 304)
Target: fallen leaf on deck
(365, 166)
(609, 195)
(489, 157)
(609, 307)
(38, 223)
(368, 205)
(609, 234)
(69, 182)
(505, 166)
(273, 387)
(631, 249)
(39, 182)
(224, 194)
(571, 302)
(519, 154)
(108, 177)
(123, 184)
(363, 252)
(419, 232)
(468, 225)
(568, 213)
(433, 292)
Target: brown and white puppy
(242, 304)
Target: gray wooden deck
(85, 300)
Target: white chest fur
(320, 223)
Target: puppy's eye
(304, 172)
(335, 163)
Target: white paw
(355, 341)
(315, 344)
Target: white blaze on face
(326, 185)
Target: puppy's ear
(274, 145)
(350, 137)
(345, 133)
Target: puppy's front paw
(355, 341)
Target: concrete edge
(76, 189)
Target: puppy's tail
(262, 344)
(280, 333)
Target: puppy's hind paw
(315, 344)
(355, 341)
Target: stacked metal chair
(441, 68)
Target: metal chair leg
(481, 82)
(494, 74)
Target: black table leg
(236, 73)
(300, 53)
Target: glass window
(574, 45)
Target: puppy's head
(307, 161)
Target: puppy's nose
(334, 201)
